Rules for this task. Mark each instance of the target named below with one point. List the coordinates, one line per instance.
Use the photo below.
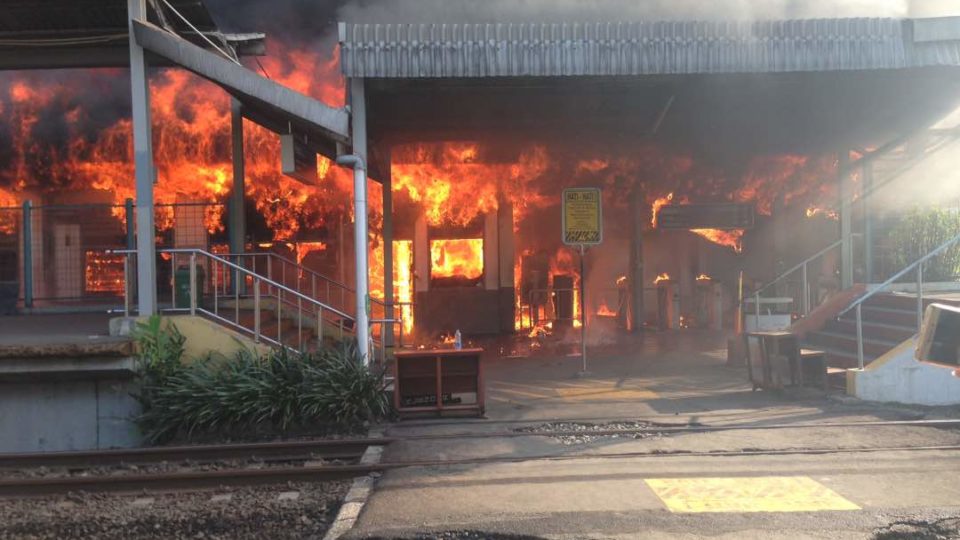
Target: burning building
(470, 132)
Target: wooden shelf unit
(432, 380)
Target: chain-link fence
(60, 256)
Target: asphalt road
(863, 495)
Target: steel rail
(182, 481)
(326, 448)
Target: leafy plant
(248, 394)
(339, 388)
(920, 231)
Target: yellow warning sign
(748, 494)
(582, 216)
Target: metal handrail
(290, 262)
(802, 265)
(915, 265)
(265, 280)
(285, 296)
(796, 267)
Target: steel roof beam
(256, 92)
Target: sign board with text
(297, 159)
(706, 216)
(582, 216)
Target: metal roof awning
(50, 34)
(264, 101)
(646, 48)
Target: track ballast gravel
(300, 511)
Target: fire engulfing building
(470, 133)
(786, 116)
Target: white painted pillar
(358, 107)
(144, 167)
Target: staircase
(888, 320)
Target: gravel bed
(162, 467)
(459, 535)
(645, 431)
(301, 510)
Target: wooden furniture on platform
(775, 360)
(439, 380)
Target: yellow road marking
(748, 494)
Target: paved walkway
(600, 487)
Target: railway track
(194, 480)
(341, 449)
(307, 452)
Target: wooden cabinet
(438, 380)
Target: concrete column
(421, 256)
(144, 167)
(506, 260)
(635, 271)
(846, 220)
(237, 218)
(388, 294)
(491, 252)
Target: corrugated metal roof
(643, 48)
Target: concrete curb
(358, 494)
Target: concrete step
(904, 301)
(871, 330)
(906, 318)
(837, 358)
(848, 343)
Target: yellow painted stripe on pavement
(747, 494)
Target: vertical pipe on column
(144, 169)
(27, 254)
(358, 108)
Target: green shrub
(920, 231)
(340, 389)
(247, 395)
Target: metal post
(126, 285)
(919, 296)
(867, 222)
(846, 220)
(756, 307)
(859, 336)
(388, 296)
(319, 325)
(27, 254)
(193, 284)
(131, 225)
(583, 310)
(144, 168)
(238, 222)
(256, 310)
(806, 292)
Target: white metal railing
(235, 291)
(803, 268)
(297, 277)
(916, 266)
